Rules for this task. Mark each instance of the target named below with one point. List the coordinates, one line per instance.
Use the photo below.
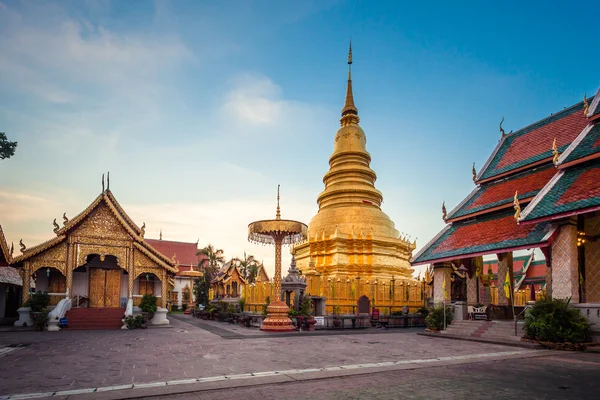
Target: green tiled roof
(589, 145)
(559, 189)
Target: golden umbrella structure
(278, 232)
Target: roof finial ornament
(502, 129)
(349, 112)
(474, 172)
(444, 214)
(56, 226)
(517, 206)
(278, 213)
(23, 247)
(174, 258)
(12, 248)
(160, 236)
(143, 229)
(586, 106)
(102, 183)
(65, 219)
(108, 181)
(555, 152)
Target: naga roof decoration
(5, 255)
(500, 194)
(571, 191)
(533, 144)
(487, 234)
(35, 250)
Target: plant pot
(337, 323)
(310, 322)
(147, 316)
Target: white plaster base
(24, 317)
(160, 317)
(460, 310)
(53, 325)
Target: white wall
(41, 280)
(81, 283)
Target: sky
(199, 109)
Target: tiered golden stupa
(350, 236)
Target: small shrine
(293, 287)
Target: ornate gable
(5, 255)
(101, 222)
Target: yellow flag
(507, 285)
(444, 289)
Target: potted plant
(337, 322)
(435, 318)
(148, 306)
(38, 303)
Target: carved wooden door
(96, 290)
(105, 287)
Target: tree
(7, 149)
(248, 267)
(209, 265)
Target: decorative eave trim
(565, 214)
(581, 160)
(4, 247)
(524, 272)
(124, 215)
(77, 219)
(426, 247)
(35, 250)
(490, 159)
(538, 197)
(574, 144)
(168, 266)
(516, 170)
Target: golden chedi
(350, 236)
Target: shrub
(435, 318)
(148, 303)
(38, 301)
(231, 308)
(556, 321)
(267, 302)
(40, 319)
(397, 313)
(242, 303)
(305, 307)
(423, 310)
(174, 307)
(134, 322)
(183, 307)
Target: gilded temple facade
(99, 259)
(351, 238)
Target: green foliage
(7, 149)
(222, 306)
(293, 313)
(556, 321)
(267, 302)
(201, 288)
(183, 307)
(148, 303)
(423, 310)
(38, 301)
(305, 307)
(174, 307)
(231, 308)
(134, 322)
(435, 319)
(336, 311)
(242, 303)
(40, 319)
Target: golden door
(105, 287)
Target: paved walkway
(54, 361)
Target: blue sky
(200, 108)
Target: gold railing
(520, 297)
(388, 296)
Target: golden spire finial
(586, 106)
(278, 213)
(501, 129)
(56, 227)
(444, 215)
(349, 112)
(160, 236)
(474, 172)
(517, 206)
(143, 229)
(555, 152)
(65, 219)
(23, 247)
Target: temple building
(187, 259)
(540, 188)
(100, 261)
(229, 281)
(351, 238)
(10, 283)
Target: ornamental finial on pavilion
(502, 129)
(474, 172)
(102, 183)
(143, 229)
(517, 206)
(555, 152)
(65, 219)
(56, 226)
(278, 212)
(349, 112)
(23, 247)
(586, 106)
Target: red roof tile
(185, 252)
(506, 189)
(584, 187)
(538, 141)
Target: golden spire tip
(278, 213)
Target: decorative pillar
(565, 279)
(71, 260)
(26, 274)
(547, 251)
(441, 271)
(131, 271)
(163, 289)
(505, 264)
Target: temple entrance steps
(95, 318)
(492, 330)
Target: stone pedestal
(53, 325)
(24, 317)
(160, 317)
(460, 310)
(277, 318)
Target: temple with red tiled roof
(188, 258)
(540, 188)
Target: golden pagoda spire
(278, 213)
(349, 112)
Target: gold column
(69, 267)
(277, 277)
(131, 277)
(26, 281)
(163, 287)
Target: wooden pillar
(163, 287)
(26, 274)
(505, 264)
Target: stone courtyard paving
(53, 361)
